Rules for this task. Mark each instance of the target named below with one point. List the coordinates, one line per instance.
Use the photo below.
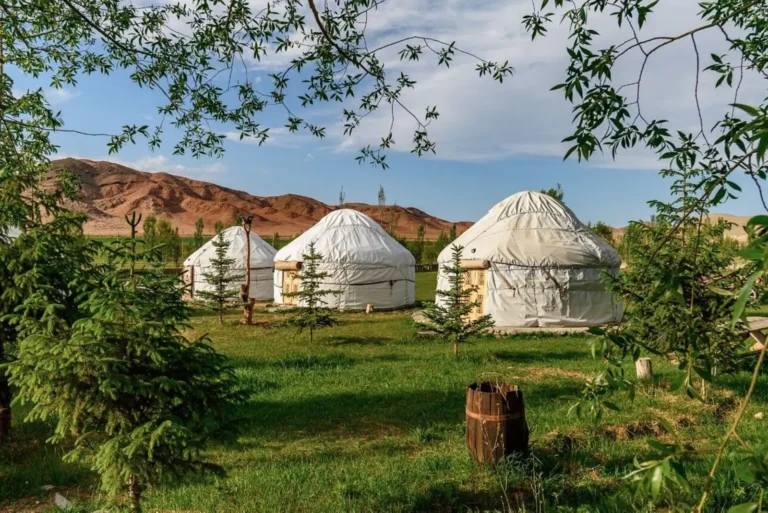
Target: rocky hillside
(110, 191)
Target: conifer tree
(220, 275)
(313, 312)
(131, 396)
(448, 316)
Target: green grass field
(370, 418)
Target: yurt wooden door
(476, 279)
(291, 285)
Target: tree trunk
(248, 311)
(644, 369)
(456, 349)
(248, 304)
(134, 495)
(311, 335)
(5, 402)
(221, 318)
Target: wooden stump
(368, 308)
(495, 422)
(644, 369)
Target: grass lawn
(370, 419)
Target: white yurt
(366, 264)
(262, 255)
(536, 265)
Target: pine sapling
(313, 312)
(130, 395)
(449, 315)
(221, 277)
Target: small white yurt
(536, 265)
(366, 264)
(262, 255)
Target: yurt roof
(262, 254)
(348, 236)
(533, 229)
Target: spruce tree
(448, 316)
(313, 312)
(129, 394)
(220, 275)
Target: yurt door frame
(188, 278)
(476, 278)
(291, 281)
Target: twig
(696, 92)
(727, 438)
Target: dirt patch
(549, 372)
(633, 429)
(682, 420)
(561, 443)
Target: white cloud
(59, 96)
(53, 95)
(309, 157)
(483, 120)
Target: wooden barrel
(496, 424)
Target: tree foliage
(449, 315)
(417, 247)
(609, 116)
(312, 313)
(603, 231)
(199, 239)
(221, 277)
(138, 399)
(199, 56)
(555, 192)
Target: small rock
(760, 415)
(48, 488)
(61, 502)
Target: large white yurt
(262, 255)
(536, 265)
(366, 264)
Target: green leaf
(677, 383)
(758, 221)
(746, 108)
(741, 301)
(747, 507)
(656, 480)
(703, 373)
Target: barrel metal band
(493, 418)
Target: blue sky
(492, 139)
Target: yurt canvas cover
(262, 255)
(366, 264)
(536, 265)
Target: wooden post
(644, 369)
(246, 289)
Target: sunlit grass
(370, 418)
